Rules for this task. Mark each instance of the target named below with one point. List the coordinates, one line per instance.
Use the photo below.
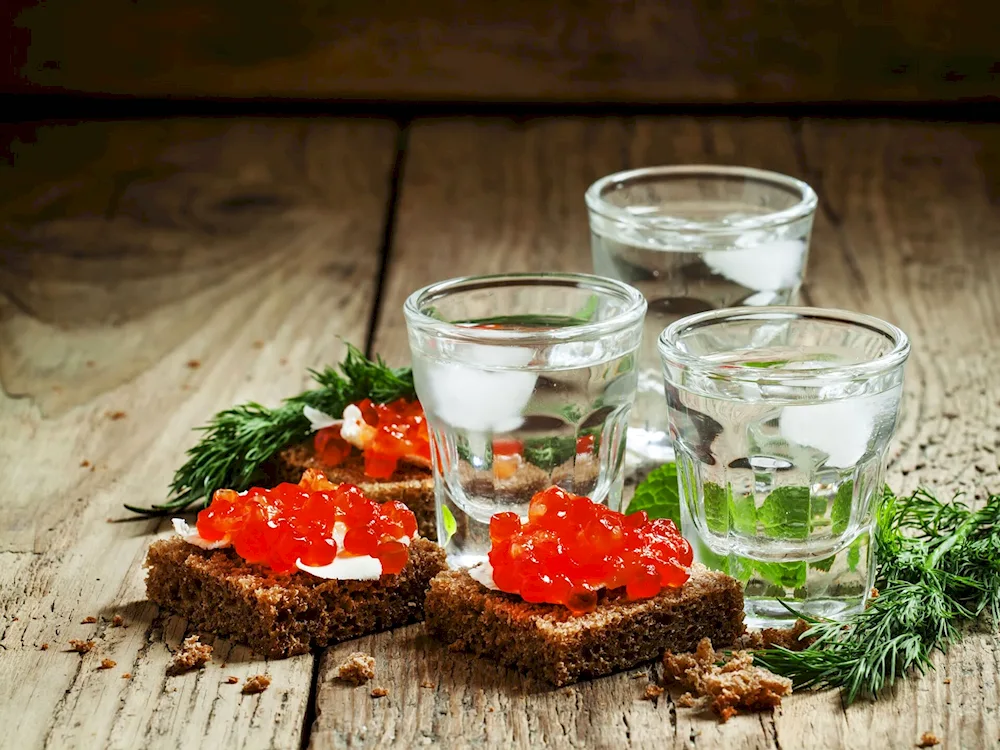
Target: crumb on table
(379, 692)
(44, 647)
(732, 681)
(256, 684)
(427, 684)
(114, 416)
(88, 620)
(357, 668)
(193, 364)
(126, 675)
(652, 692)
(81, 647)
(191, 655)
(232, 679)
(107, 664)
(118, 621)
(928, 739)
(686, 700)
(85, 463)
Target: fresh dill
(938, 570)
(239, 442)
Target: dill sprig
(239, 442)
(938, 569)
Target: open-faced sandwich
(362, 425)
(580, 591)
(294, 567)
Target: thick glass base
(771, 613)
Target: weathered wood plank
(160, 271)
(520, 50)
(905, 233)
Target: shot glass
(692, 239)
(526, 381)
(780, 419)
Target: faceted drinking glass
(780, 419)
(691, 239)
(526, 381)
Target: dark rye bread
(547, 642)
(281, 615)
(411, 485)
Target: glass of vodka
(781, 418)
(526, 381)
(691, 239)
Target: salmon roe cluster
(571, 547)
(399, 430)
(293, 522)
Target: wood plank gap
(388, 232)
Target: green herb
(786, 513)
(450, 525)
(239, 442)
(938, 569)
(765, 365)
(525, 321)
(658, 495)
(550, 452)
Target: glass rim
(597, 204)
(631, 316)
(670, 352)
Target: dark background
(158, 56)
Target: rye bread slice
(281, 615)
(547, 642)
(411, 485)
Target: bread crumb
(118, 621)
(193, 364)
(652, 692)
(232, 679)
(256, 684)
(873, 594)
(928, 739)
(126, 675)
(44, 647)
(686, 700)
(490, 709)
(81, 647)
(637, 675)
(947, 680)
(357, 668)
(90, 363)
(788, 638)
(191, 655)
(283, 361)
(736, 683)
(114, 416)
(428, 684)
(258, 344)
(108, 664)
(379, 692)
(85, 463)
(88, 620)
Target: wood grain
(648, 51)
(905, 233)
(152, 274)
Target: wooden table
(152, 273)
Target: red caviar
(400, 431)
(571, 547)
(293, 522)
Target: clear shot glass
(695, 238)
(526, 381)
(780, 419)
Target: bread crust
(281, 615)
(547, 642)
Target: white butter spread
(354, 426)
(318, 420)
(483, 572)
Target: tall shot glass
(693, 238)
(781, 419)
(526, 381)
